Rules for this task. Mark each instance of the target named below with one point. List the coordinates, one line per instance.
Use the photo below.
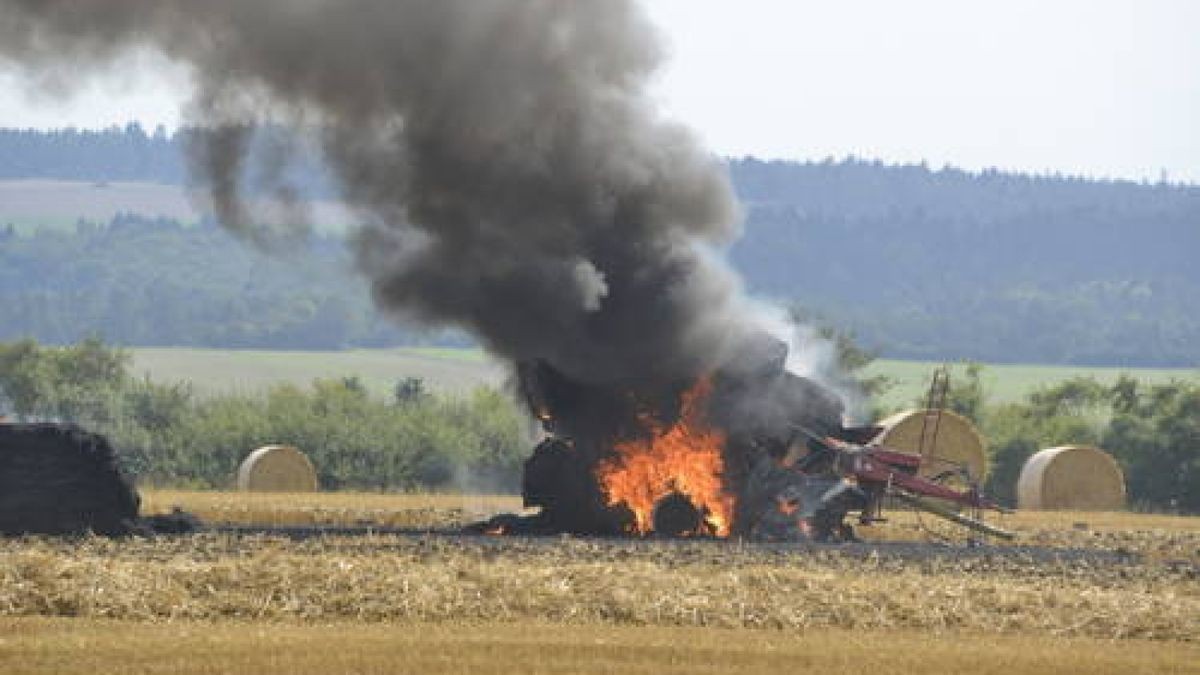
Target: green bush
(1153, 432)
(169, 437)
(416, 440)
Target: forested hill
(992, 266)
(920, 263)
(128, 154)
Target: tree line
(170, 437)
(919, 263)
(126, 153)
(995, 267)
(1152, 430)
(142, 281)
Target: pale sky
(1104, 88)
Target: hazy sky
(1096, 87)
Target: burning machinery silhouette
(750, 451)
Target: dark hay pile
(59, 479)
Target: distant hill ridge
(921, 263)
(131, 153)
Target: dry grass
(216, 603)
(72, 646)
(215, 371)
(1006, 383)
(575, 582)
(331, 508)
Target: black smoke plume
(510, 170)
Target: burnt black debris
(58, 479)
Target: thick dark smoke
(511, 171)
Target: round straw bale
(277, 468)
(951, 441)
(1071, 477)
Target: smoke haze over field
(512, 174)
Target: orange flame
(684, 458)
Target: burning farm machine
(837, 478)
(752, 452)
(830, 478)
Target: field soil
(215, 371)
(1006, 383)
(33, 203)
(1154, 537)
(98, 646)
(448, 369)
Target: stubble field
(1100, 593)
